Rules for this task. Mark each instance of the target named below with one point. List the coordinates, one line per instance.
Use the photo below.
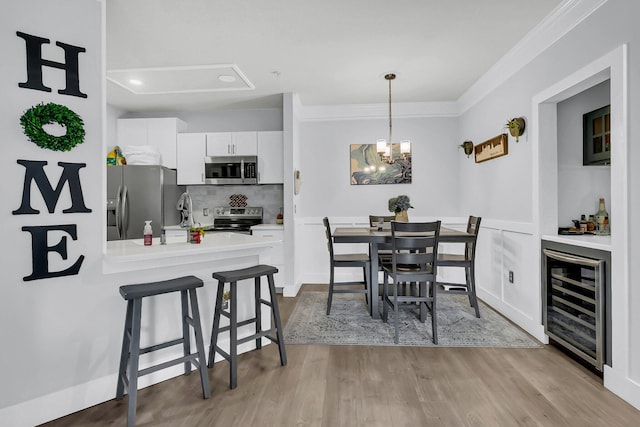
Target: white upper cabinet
(232, 143)
(160, 133)
(190, 158)
(270, 158)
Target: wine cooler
(575, 289)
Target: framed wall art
(369, 167)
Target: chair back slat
(415, 250)
(327, 232)
(473, 227)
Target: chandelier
(387, 150)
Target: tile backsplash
(270, 197)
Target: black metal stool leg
(216, 325)
(197, 331)
(132, 388)
(233, 336)
(276, 319)
(186, 340)
(258, 310)
(126, 349)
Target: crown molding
(565, 17)
(378, 111)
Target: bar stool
(131, 350)
(232, 277)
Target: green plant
(39, 115)
(399, 204)
(199, 230)
(516, 127)
(467, 146)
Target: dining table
(375, 238)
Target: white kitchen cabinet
(160, 133)
(270, 157)
(272, 256)
(232, 143)
(190, 158)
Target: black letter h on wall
(35, 62)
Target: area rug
(350, 324)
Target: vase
(402, 216)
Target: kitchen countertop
(267, 227)
(130, 255)
(178, 227)
(586, 240)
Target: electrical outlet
(205, 212)
(510, 276)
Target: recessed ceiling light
(226, 78)
(135, 82)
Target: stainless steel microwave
(231, 170)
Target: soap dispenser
(147, 233)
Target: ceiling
(329, 52)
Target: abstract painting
(368, 167)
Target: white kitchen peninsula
(132, 255)
(130, 262)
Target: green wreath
(36, 117)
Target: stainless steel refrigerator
(136, 193)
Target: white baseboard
(73, 399)
(517, 317)
(291, 291)
(623, 386)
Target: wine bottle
(600, 217)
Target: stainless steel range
(236, 219)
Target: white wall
(508, 182)
(325, 167)
(579, 187)
(45, 322)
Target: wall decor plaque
(492, 148)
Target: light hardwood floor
(379, 386)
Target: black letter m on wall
(35, 172)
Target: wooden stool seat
(274, 334)
(131, 351)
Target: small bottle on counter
(583, 223)
(147, 233)
(591, 223)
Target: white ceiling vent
(189, 79)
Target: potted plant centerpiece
(399, 205)
(196, 234)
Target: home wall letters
(34, 169)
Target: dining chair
(384, 250)
(414, 259)
(375, 219)
(346, 260)
(466, 261)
